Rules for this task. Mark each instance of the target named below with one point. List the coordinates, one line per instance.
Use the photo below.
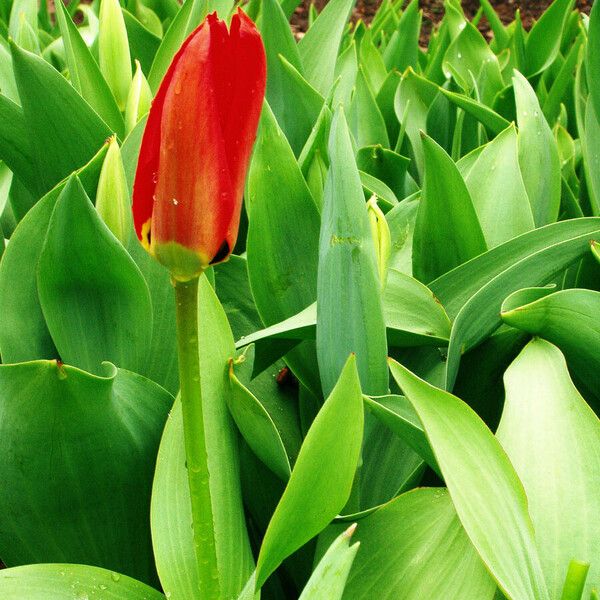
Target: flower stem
(186, 295)
(575, 581)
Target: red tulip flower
(189, 183)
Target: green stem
(575, 580)
(186, 294)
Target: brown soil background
(433, 11)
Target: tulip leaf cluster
(396, 242)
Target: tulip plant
(298, 316)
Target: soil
(433, 11)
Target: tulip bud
(189, 183)
(139, 99)
(381, 237)
(112, 196)
(113, 50)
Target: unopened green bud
(315, 178)
(381, 238)
(112, 198)
(113, 50)
(139, 99)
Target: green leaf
(386, 165)
(94, 299)
(590, 142)
(498, 192)
(592, 59)
(484, 487)
(569, 319)
(187, 19)
(473, 293)
(372, 63)
(364, 118)
(485, 115)
(102, 435)
(171, 510)
(402, 50)
(64, 582)
(85, 74)
(282, 258)
(63, 130)
(543, 42)
(538, 155)
(414, 96)
(23, 332)
(414, 547)
(328, 580)
(447, 230)
(15, 149)
(547, 427)
(278, 40)
(313, 497)
(350, 315)
(320, 45)
(257, 427)
(397, 413)
(143, 43)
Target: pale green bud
(112, 198)
(139, 99)
(113, 50)
(148, 18)
(381, 238)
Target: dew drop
(115, 576)
(175, 201)
(459, 55)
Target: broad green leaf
(480, 315)
(346, 69)
(385, 165)
(551, 436)
(592, 60)
(23, 332)
(313, 497)
(101, 435)
(401, 220)
(257, 427)
(469, 59)
(414, 547)
(349, 309)
(328, 580)
(590, 150)
(485, 489)
(372, 186)
(402, 50)
(22, 10)
(85, 74)
(397, 413)
(456, 287)
(414, 96)
(15, 149)
(569, 319)
(498, 192)
(300, 117)
(538, 155)
(171, 511)
(372, 63)
(543, 42)
(385, 100)
(63, 130)
(278, 40)
(64, 582)
(447, 230)
(282, 258)
(95, 301)
(413, 316)
(364, 118)
(485, 115)
(143, 44)
(320, 45)
(187, 19)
